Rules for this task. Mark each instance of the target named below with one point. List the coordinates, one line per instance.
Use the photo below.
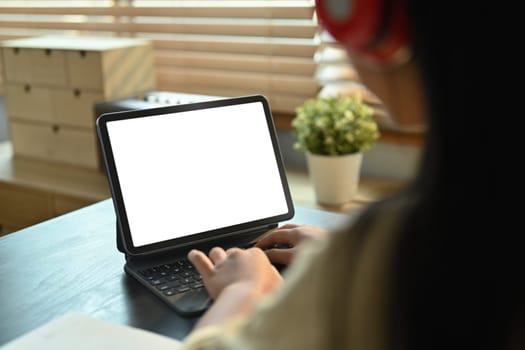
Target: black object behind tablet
(191, 176)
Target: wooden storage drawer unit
(72, 107)
(29, 102)
(119, 72)
(127, 71)
(75, 107)
(35, 65)
(47, 66)
(16, 63)
(85, 69)
(56, 143)
(55, 82)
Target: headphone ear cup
(374, 29)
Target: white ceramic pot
(335, 178)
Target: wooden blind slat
(244, 29)
(251, 63)
(182, 10)
(254, 82)
(295, 48)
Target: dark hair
(444, 265)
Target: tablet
(200, 172)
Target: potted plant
(334, 131)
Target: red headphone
(376, 29)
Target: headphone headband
(375, 29)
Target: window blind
(221, 48)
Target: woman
(407, 274)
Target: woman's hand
(281, 244)
(249, 269)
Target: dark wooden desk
(71, 263)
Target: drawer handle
(82, 53)
(16, 50)
(56, 128)
(27, 88)
(48, 52)
(76, 92)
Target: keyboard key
(163, 287)
(173, 278)
(197, 285)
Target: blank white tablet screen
(194, 171)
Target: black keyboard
(180, 285)
(173, 278)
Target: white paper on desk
(73, 331)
